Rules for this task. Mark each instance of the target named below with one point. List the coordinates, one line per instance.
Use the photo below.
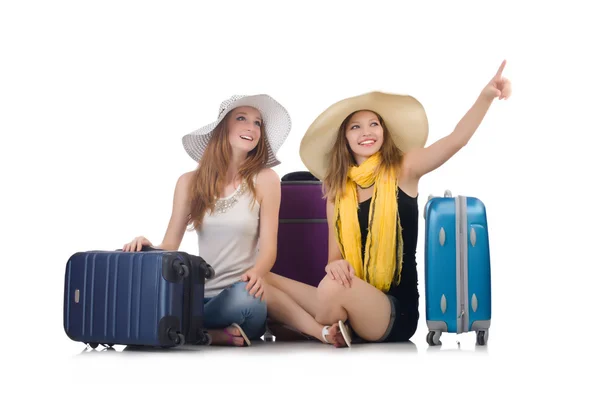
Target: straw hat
(403, 115)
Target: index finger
(349, 267)
(501, 69)
(250, 283)
(255, 289)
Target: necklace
(224, 204)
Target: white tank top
(228, 239)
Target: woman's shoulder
(184, 184)
(186, 179)
(267, 183)
(267, 177)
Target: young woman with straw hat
(370, 153)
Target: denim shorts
(402, 325)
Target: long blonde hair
(341, 158)
(209, 177)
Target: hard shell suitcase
(148, 298)
(457, 267)
(302, 244)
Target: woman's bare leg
(295, 304)
(303, 294)
(367, 308)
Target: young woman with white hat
(232, 202)
(370, 153)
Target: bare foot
(230, 336)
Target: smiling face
(244, 128)
(360, 135)
(364, 134)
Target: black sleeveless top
(406, 291)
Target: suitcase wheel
(93, 345)
(210, 272)
(206, 339)
(179, 339)
(176, 337)
(433, 338)
(482, 337)
(181, 269)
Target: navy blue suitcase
(148, 298)
(457, 267)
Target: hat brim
(276, 119)
(403, 115)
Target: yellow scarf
(383, 251)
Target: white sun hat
(276, 120)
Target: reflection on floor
(295, 347)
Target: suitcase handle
(149, 248)
(209, 272)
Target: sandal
(242, 334)
(347, 339)
(345, 333)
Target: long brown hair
(209, 177)
(341, 158)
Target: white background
(94, 100)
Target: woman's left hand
(255, 283)
(498, 87)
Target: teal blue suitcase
(457, 268)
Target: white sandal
(345, 333)
(324, 333)
(343, 330)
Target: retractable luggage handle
(447, 194)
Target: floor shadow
(258, 347)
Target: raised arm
(421, 161)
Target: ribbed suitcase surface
(132, 298)
(302, 247)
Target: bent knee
(329, 288)
(240, 298)
(329, 291)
